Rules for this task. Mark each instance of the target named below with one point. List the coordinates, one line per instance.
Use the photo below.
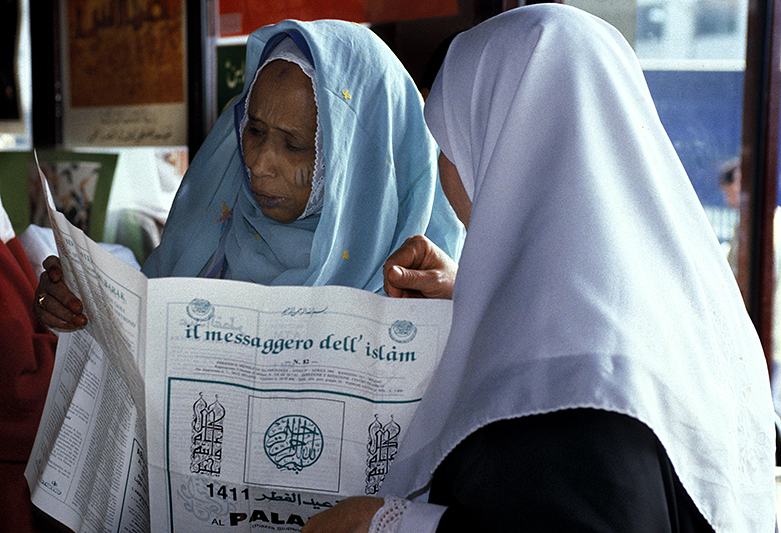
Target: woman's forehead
(284, 99)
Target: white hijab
(590, 277)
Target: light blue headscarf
(381, 181)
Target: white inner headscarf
(288, 51)
(6, 228)
(590, 276)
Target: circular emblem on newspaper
(293, 442)
(402, 331)
(200, 309)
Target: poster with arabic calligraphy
(124, 72)
(231, 61)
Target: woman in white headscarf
(601, 373)
(319, 171)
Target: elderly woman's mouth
(266, 201)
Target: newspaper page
(267, 405)
(196, 404)
(88, 464)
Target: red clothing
(26, 359)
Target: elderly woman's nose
(263, 160)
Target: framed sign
(14, 64)
(124, 73)
(231, 61)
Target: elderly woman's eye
(294, 147)
(255, 131)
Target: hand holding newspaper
(198, 405)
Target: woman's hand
(352, 515)
(419, 269)
(55, 305)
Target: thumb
(401, 281)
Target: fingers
(402, 282)
(53, 268)
(431, 283)
(56, 316)
(55, 305)
(409, 256)
(394, 283)
(419, 269)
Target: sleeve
(421, 517)
(570, 470)
(26, 355)
(398, 515)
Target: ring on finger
(41, 299)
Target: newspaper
(191, 404)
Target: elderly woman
(320, 170)
(601, 373)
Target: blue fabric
(381, 181)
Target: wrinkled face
(454, 189)
(279, 140)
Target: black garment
(578, 470)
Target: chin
(277, 215)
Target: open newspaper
(191, 405)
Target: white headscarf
(590, 277)
(6, 228)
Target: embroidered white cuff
(399, 516)
(388, 517)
